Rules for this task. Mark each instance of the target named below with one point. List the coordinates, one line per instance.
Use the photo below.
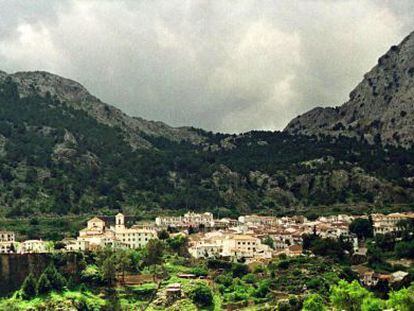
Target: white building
(189, 219)
(389, 223)
(33, 246)
(7, 241)
(98, 234)
(233, 246)
(132, 237)
(73, 245)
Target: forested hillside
(56, 159)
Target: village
(248, 239)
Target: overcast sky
(227, 66)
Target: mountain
(64, 152)
(74, 94)
(380, 108)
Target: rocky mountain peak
(380, 108)
(77, 96)
(42, 82)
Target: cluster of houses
(250, 237)
(8, 244)
(257, 238)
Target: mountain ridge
(63, 151)
(380, 108)
(78, 97)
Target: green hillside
(59, 160)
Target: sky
(227, 66)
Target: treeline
(58, 160)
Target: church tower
(119, 221)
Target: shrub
(313, 302)
(262, 289)
(249, 278)
(348, 296)
(403, 300)
(405, 249)
(199, 271)
(239, 270)
(201, 295)
(373, 304)
(91, 275)
(314, 283)
(224, 279)
(284, 264)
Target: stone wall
(14, 268)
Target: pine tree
(28, 289)
(43, 285)
(57, 281)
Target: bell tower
(119, 221)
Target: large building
(189, 219)
(99, 234)
(389, 223)
(133, 237)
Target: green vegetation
(59, 165)
(314, 302)
(287, 283)
(201, 295)
(328, 247)
(362, 228)
(29, 287)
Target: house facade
(7, 241)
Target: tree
(28, 289)
(313, 302)
(178, 244)
(406, 229)
(239, 270)
(373, 304)
(402, 300)
(269, 242)
(124, 262)
(328, 247)
(385, 242)
(348, 296)
(108, 269)
(107, 263)
(163, 235)
(201, 295)
(362, 228)
(405, 249)
(91, 275)
(262, 288)
(153, 252)
(43, 285)
(57, 281)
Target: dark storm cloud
(221, 65)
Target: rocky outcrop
(380, 108)
(74, 94)
(14, 268)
